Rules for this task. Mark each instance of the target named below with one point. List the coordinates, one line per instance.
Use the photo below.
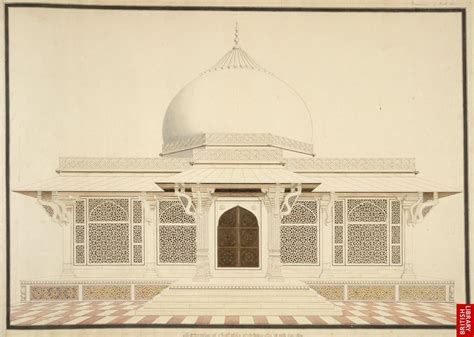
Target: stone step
(261, 298)
(233, 298)
(211, 305)
(241, 312)
(240, 292)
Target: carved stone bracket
(290, 200)
(58, 211)
(185, 199)
(419, 209)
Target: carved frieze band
(352, 164)
(266, 155)
(229, 139)
(76, 164)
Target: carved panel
(106, 292)
(80, 215)
(332, 293)
(80, 255)
(303, 212)
(137, 234)
(396, 255)
(338, 254)
(339, 212)
(249, 257)
(148, 291)
(396, 239)
(109, 243)
(171, 211)
(137, 254)
(299, 244)
(367, 244)
(54, 293)
(367, 210)
(108, 210)
(137, 211)
(227, 257)
(80, 233)
(396, 209)
(429, 293)
(338, 234)
(177, 244)
(371, 293)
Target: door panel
(238, 239)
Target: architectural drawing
(236, 219)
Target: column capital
(273, 196)
(273, 189)
(202, 198)
(327, 207)
(149, 201)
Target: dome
(237, 96)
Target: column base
(67, 272)
(203, 270)
(408, 273)
(150, 271)
(274, 273)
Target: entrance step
(239, 298)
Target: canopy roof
(238, 176)
(94, 184)
(377, 184)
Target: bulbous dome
(237, 96)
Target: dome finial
(236, 35)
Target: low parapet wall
(389, 291)
(90, 290)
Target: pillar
(272, 201)
(408, 229)
(67, 246)
(150, 228)
(203, 200)
(64, 212)
(327, 209)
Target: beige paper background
(97, 83)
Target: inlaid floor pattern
(113, 313)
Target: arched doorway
(238, 239)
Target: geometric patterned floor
(354, 313)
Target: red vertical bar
(464, 320)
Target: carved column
(68, 245)
(272, 201)
(327, 206)
(63, 210)
(408, 228)
(203, 200)
(150, 208)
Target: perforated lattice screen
(299, 244)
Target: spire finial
(236, 35)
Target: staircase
(239, 297)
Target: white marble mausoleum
(237, 208)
